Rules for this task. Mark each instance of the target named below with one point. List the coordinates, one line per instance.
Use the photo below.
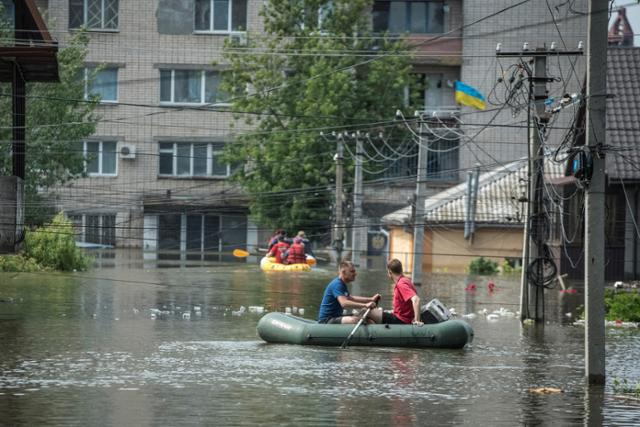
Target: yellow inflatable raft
(270, 264)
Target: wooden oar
(344, 344)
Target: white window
(94, 228)
(221, 16)
(191, 87)
(189, 159)
(100, 158)
(93, 14)
(102, 83)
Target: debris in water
(546, 390)
(240, 312)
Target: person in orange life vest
(279, 249)
(406, 302)
(295, 253)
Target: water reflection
(145, 346)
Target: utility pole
(338, 227)
(418, 219)
(595, 194)
(535, 227)
(537, 238)
(356, 234)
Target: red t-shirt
(402, 294)
(278, 250)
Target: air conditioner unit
(239, 39)
(127, 151)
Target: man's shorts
(390, 319)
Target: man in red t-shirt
(279, 249)
(406, 302)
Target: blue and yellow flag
(466, 95)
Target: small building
(460, 226)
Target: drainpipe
(635, 238)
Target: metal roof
(623, 112)
(498, 194)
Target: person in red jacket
(279, 249)
(406, 302)
(296, 252)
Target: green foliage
(623, 387)
(53, 246)
(483, 266)
(58, 118)
(16, 263)
(508, 267)
(623, 306)
(305, 76)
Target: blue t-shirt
(330, 306)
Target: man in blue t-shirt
(336, 298)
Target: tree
(58, 118)
(318, 67)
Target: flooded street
(148, 344)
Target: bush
(15, 263)
(623, 306)
(623, 387)
(508, 266)
(53, 246)
(483, 266)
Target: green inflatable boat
(288, 329)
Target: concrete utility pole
(418, 219)
(595, 197)
(536, 164)
(338, 227)
(358, 224)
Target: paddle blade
(311, 261)
(240, 253)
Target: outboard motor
(434, 312)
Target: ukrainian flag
(466, 95)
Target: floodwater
(149, 343)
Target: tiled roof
(498, 194)
(623, 112)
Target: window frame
(408, 6)
(80, 222)
(229, 30)
(212, 150)
(87, 95)
(203, 88)
(102, 27)
(100, 172)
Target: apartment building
(155, 179)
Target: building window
(100, 158)
(220, 16)
(93, 14)
(429, 92)
(418, 17)
(95, 228)
(192, 159)
(442, 157)
(101, 83)
(191, 87)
